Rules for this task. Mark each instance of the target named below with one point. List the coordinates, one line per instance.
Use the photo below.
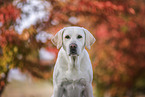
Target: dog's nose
(73, 49)
(73, 46)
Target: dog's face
(73, 40)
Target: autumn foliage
(117, 56)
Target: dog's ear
(89, 38)
(57, 39)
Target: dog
(73, 62)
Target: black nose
(73, 46)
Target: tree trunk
(3, 82)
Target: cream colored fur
(73, 68)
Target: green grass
(28, 89)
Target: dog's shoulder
(61, 59)
(85, 56)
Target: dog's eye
(79, 36)
(67, 37)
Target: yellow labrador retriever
(73, 63)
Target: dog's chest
(74, 74)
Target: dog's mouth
(73, 53)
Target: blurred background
(27, 56)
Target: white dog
(73, 63)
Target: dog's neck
(74, 63)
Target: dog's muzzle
(73, 49)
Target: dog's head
(73, 40)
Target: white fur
(73, 67)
